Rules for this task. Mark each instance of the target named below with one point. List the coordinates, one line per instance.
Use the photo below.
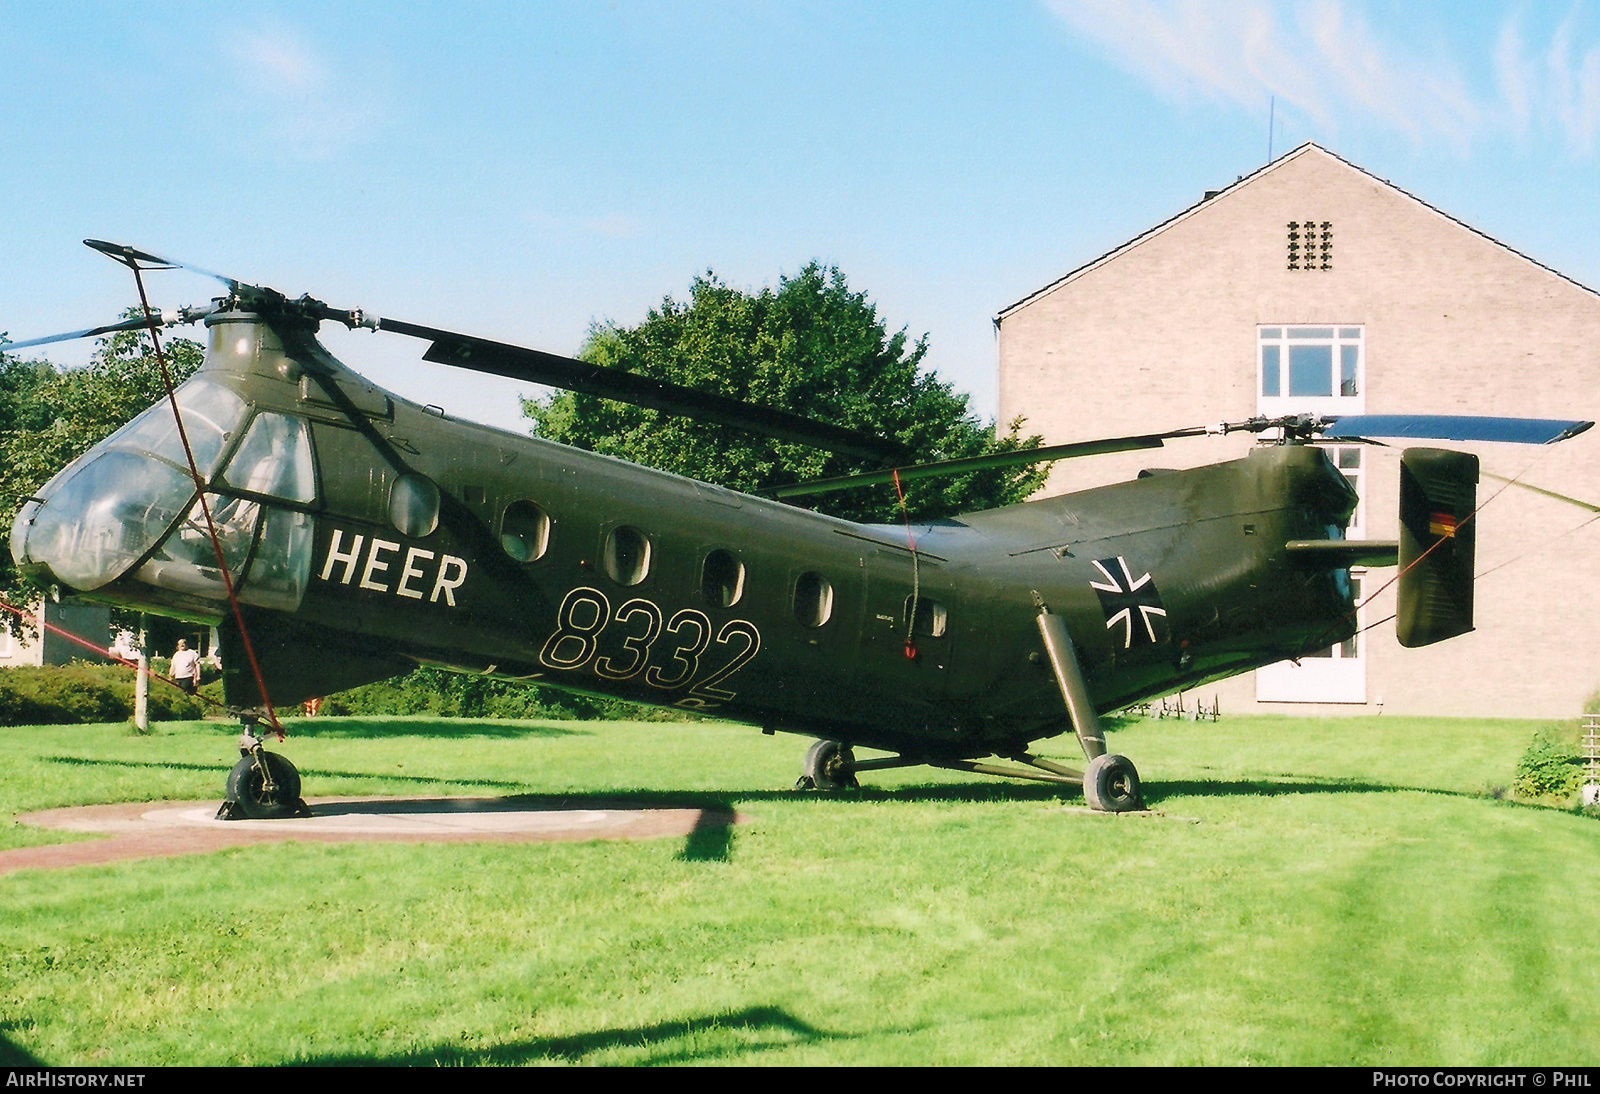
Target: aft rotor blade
(92, 332)
(988, 462)
(1445, 427)
(164, 319)
(554, 370)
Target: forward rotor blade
(989, 462)
(136, 259)
(1446, 427)
(554, 370)
(144, 260)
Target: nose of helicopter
(110, 506)
(96, 518)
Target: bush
(458, 695)
(83, 692)
(1551, 768)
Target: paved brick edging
(168, 829)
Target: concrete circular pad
(163, 829)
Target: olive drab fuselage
(367, 534)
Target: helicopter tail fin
(1438, 495)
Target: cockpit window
(132, 497)
(274, 459)
(187, 562)
(211, 415)
(97, 522)
(282, 567)
(278, 568)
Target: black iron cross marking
(1132, 602)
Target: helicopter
(337, 534)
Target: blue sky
(524, 170)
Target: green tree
(49, 416)
(812, 347)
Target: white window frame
(1340, 677)
(1283, 339)
(1351, 460)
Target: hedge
(83, 692)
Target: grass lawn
(1342, 891)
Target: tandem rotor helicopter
(338, 535)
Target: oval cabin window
(627, 555)
(813, 599)
(927, 617)
(722, 579)
(525, 531)
(414, 505)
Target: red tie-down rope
(101, 650)
(205, 507)
(916, 575)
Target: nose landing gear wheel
(1111, 785)
(264, 786)
(830, 765)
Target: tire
(247, 787)
(1111, 785)
(831, 766)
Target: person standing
(186, 667)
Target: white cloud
(281, 64)
(1513, 76)
(1571, 87)
(1327, 60)
(307, 107)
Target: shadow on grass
(1290, 786)
(714, 842)
(776, 1028)
(1263, 787)
(13, 1055)
(305, 772)
(637, 798)
(453, 728)
(712, 838)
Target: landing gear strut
(262, 785)
(1111, 784)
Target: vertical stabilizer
(1438, 494)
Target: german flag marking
(1442, 524)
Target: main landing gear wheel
(1111, 785)
(830, 765)
(264, 786)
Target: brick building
(43, 646)
(1312, 285)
